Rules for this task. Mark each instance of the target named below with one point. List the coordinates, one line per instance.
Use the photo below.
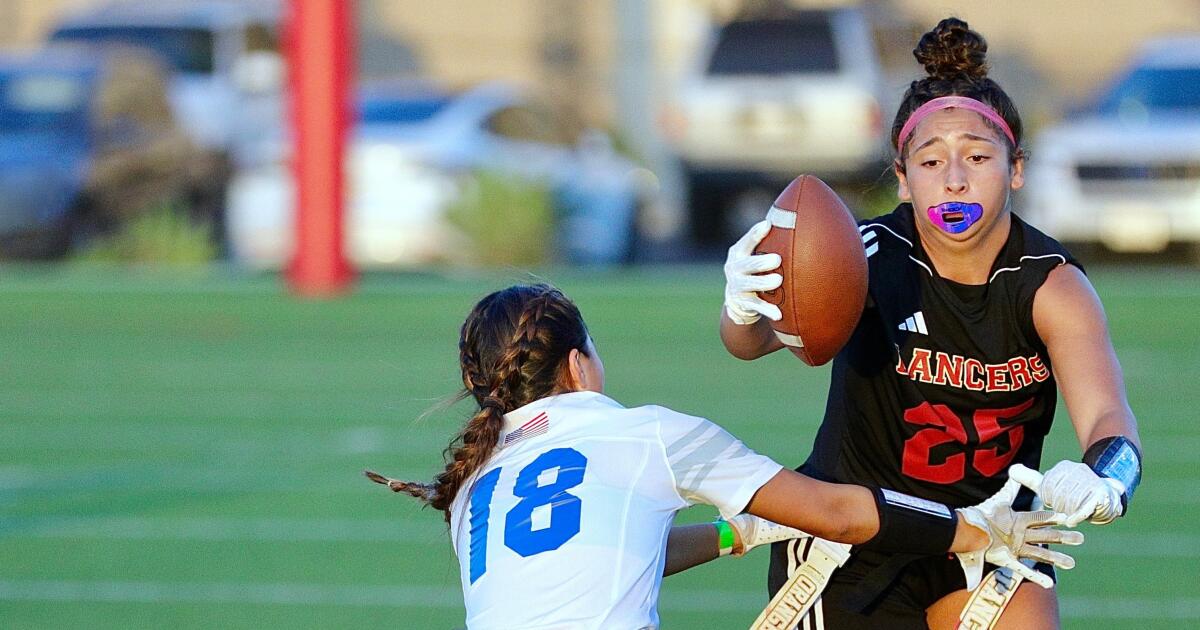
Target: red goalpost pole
(319, 43)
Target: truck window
(42, 101)
(775, 46)
(188, 50)
(1167, 88)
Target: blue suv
(87, 140)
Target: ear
(1018, 174)
(902, 190)
(576, 377)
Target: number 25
(944, 426)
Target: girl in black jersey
(974, 319)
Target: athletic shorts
(875, 590)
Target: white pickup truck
(770, 98)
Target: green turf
(184, 450)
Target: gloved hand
(755, 531)
(1014, 535)
(1075, 490)
(742, 305)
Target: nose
(956, 178)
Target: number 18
(519, 535)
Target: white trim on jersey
(1024, 258)
(910, 245)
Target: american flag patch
(537, 426)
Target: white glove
(1014, 535)
(1075, 490)
(741, 303)
(755, 531)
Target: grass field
(185, 451)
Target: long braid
(501, 372)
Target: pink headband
(946, 102)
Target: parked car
(412, 146)
(1124, 172)
(87, 140)
(222, 55)
(769, 98)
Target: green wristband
(724, 537)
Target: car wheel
(49, 243)
(706, 210)
(634, 242)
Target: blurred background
(180, 439)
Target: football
(824, 269)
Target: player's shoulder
(1035, 242)
(1031, 255)
(893, 230)
(678, 431)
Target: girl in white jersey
(560, 500)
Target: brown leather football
(824, 269)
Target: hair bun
(952, 51)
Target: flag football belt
(906, 523)
(804, 587)
(988, 600)
(802, 590)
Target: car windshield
(775, 47)
(42, 101)
(183, 49)
(400, 111)
(1174, 88)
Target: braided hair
(513, 350)
(955, 61)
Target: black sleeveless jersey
(942, 386)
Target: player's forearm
(689, 546)
(1116, 421)
(855, 515)
(750, 341)
(838, 512)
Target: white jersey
(566, 524)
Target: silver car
(1125, 173)
(415, 151)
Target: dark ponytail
(955, 60)
(512, 351)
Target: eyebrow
(968, 136)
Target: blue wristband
(1117, 458)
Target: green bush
(163, 234)
(508, 221)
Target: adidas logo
(915, 323)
